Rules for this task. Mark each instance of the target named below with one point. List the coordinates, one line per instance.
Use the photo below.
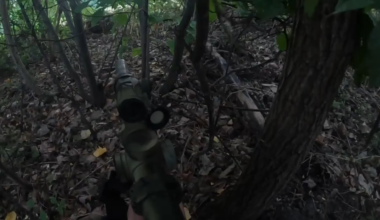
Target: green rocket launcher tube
(155, 195)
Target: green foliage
(43, 215)
(212, 16)
(97, 16)
(171, 44)
(136, 52)
(155, 18)
(120, 19)
(88, 11)
(60, 206)
(282, 42)
(81, 6)
(30, 204)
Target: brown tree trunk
(319, 53)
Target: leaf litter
(55, 145)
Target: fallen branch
(228, 72)
(256, 118)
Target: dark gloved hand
(110, 191)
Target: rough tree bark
(29, 80)
(96, 91)
(45, 19)
(319, 52)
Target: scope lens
(132, 110)
(157, 117)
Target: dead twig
(96, 169)
(183, 154)
(260, 65)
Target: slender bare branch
(23, 72)
(51, 71)
(179, 44)
(144, 30)
(45, 19)
(97, 94)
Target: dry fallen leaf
(186, 213)
(320, 140)
(310, 182)
(368, 186)
(227, 171)
(11, 216)
(216, 139)
(43, 130)
(207, 165)
(364, 128)
(8, 80)
(100, 151)
(342, 130)
(85, 134)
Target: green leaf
(88, 11)
(212, 16)
(81, 6)
(136, 51)
(120, 19)
(155, 18)
(348, 5)
(61, 207)
(281, 42)
(30, 204)
(310, 6)
(171, 44)
(53, 200)
(191, 29)
(122, 49)
(189, 39)
(43, 215)
(97, 16)
(105, 3)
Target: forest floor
(47, 144)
